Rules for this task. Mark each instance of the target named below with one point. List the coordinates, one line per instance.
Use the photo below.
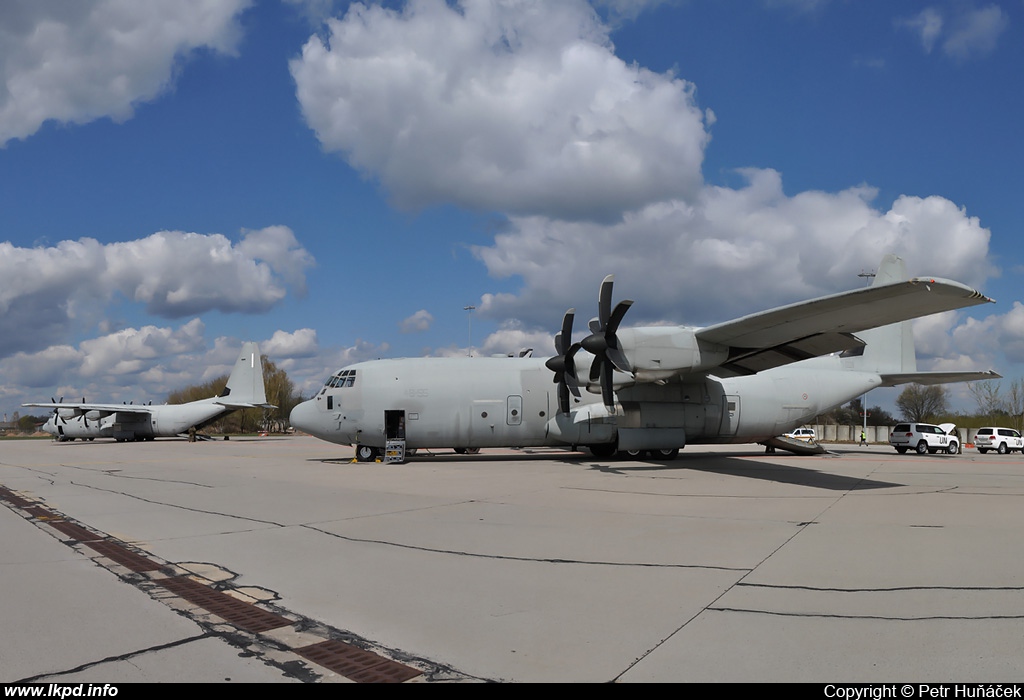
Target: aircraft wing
(105, 408)
(827, 324)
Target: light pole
(868, 276)
(469, 315)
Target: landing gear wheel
(603, 450)
(365, 453)
(631, 454)
(665, 455)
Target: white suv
(925, 437)
(1002, 440)
(805, 434)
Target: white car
(925, 438)
(805, 434)
(1002, 440)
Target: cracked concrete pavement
(726, 565)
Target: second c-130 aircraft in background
(130, 422)
(651, 389)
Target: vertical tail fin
(245, 385)
(890, 349)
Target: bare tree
(987, 397)
(1014, 404)
(921, 403)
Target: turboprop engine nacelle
(661, 352)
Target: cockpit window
(344, 378)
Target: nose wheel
(365, 453)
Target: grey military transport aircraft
(124, 422)
(650, 390)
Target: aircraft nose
(303, 417)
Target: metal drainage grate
(75, 532)
(357, 664)
(237, 612)
(124, 556)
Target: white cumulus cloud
(519, 106)
(284, 345)
(172, 273)
(418, 322)
(79, 61)
(733, 252)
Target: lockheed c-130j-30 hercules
(648, 389)
(131, 422)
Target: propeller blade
(563, 397)
(604, 300)
(563, 365)
(619, 359)
(607, 388)
(570, 378)
(603, 343)
(620, 310)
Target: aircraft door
(394, 437)
(394, 425)
(514, 410)
(730, 414)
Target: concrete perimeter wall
(875, 433)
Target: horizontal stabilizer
(236, 406)
(937, 377)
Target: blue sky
(338, 180)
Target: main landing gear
(606, 451)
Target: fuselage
(167, 420)
(512, 402)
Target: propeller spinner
(603, 343)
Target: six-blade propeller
(602, 343)
(563, 364)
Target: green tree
(879, 416)
(28, 424)
(922, 403)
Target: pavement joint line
(299, 647)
